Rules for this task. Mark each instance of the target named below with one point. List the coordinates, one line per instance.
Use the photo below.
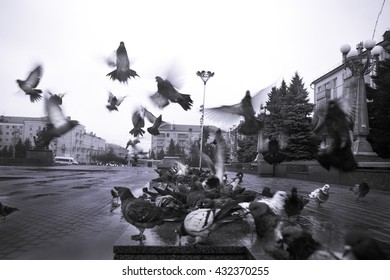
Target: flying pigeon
(132, 143)
(294, 203)
(359, 245)
(336, 121)
(138, 123)
(56, 98)
(122, 72)
(114, 101)
(58, 123)
(360, 190)
(29, 85)
(156, 122)
(320, 195)
(267, 213)
(6, 210)
(139, 212)
(201, 222)
(166, 93)
(230, 114)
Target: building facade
(184, 135)
(77, 143)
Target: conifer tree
(296, 121)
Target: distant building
(77, 143)
(184, 135)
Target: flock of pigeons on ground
(199, 203)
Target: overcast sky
(248, 44)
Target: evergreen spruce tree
(379, 110)
(171, 148)
(296, 123)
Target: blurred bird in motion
(295, 203)
(156, 122)
(230, 114)
(56, 98)
(138, 122)
(29, 85)
(132, 143)
(166, 93)
(360, 190)
(122, 72)
(58, 123)
(335, 121)
(114, 102)
(6, 210)
(359, 245)
(320, 195)
(267, 213)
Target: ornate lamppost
(205, 76)
(361, 62)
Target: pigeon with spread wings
(114, 101)
(122, 72)
(156, 122)
(332, 126)
(58, 123)
(138, 122)
(230, 114)
(29, 85)
(167, 93)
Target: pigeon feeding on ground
(359, 245)
(29, 85)
(360, 190)
(201, 222)
(336, 121)
(166, 93)
(141, 213)
(320, 195)
(6, 210)
(114, 102)
(267, 213)
(300, 245)
(114, 201)
(230, 114)
(122, 72)
(295, 203)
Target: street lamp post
(361, 62)
(205, 76)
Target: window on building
(167, 134)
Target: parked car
(65, 160)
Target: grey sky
(248, 44)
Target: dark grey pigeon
(114, 101)
(122, 72)
(166, 93)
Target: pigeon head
(280, 196)
(325, 188)
(122, 44)
(294, 191)
(159, 79)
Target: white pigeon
(320, 195)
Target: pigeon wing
(345, 103)
(159, 100)
(261, 96)
(224, 114)
(55, 114)
(34, 77)
(149, 116)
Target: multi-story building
(77, 143)
(184, 135)
(332, 84)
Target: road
(65, 211)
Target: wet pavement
(65, 213)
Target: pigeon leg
(139, 236)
